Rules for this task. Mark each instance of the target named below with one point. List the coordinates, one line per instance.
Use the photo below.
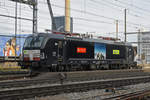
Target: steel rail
(55, 78)
(130, 95)
(23, 93)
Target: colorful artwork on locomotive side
(7, 46)
(100, 51)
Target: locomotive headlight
(42, 56)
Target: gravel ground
(28, 87)
(95, 94)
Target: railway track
(56, 78)
(71, 77)
(130, 95)
(11, 75)
(14, 72)
(97, 73)
(132, 92)
(29, 92)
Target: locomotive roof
(59, 36)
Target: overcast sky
(94, 16)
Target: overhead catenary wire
(9, 16)
(142, 9)
(95, 21)
(113, 7)
(123, 7)
(114, 19)
(135, 15)
(147, 1)
(95, 14)
(10, 6)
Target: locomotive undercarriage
(77, 67)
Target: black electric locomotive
(55, 52)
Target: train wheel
(64, 68)
(30, 71)
(50, 69)
(61, 68)
(54, 68)
(58, 68)
(68, 68)
(88, 67)
(98, 67)
(85, 67)
(110, 66)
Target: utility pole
(125, 25)
(16, 27)
(139, 45)
(35, 23)
(116, 29)
(67, 15)
(34, 4)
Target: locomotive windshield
(33, 42)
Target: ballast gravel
(96, 94)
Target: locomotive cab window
(38, 41)
(34, 41)
(28, 42)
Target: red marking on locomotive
(36, 58)
(26, 58)
(81, 50)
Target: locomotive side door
(54, 51)
(57, 51)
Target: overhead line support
(34, 3)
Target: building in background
(144, 47)
(60, 24)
